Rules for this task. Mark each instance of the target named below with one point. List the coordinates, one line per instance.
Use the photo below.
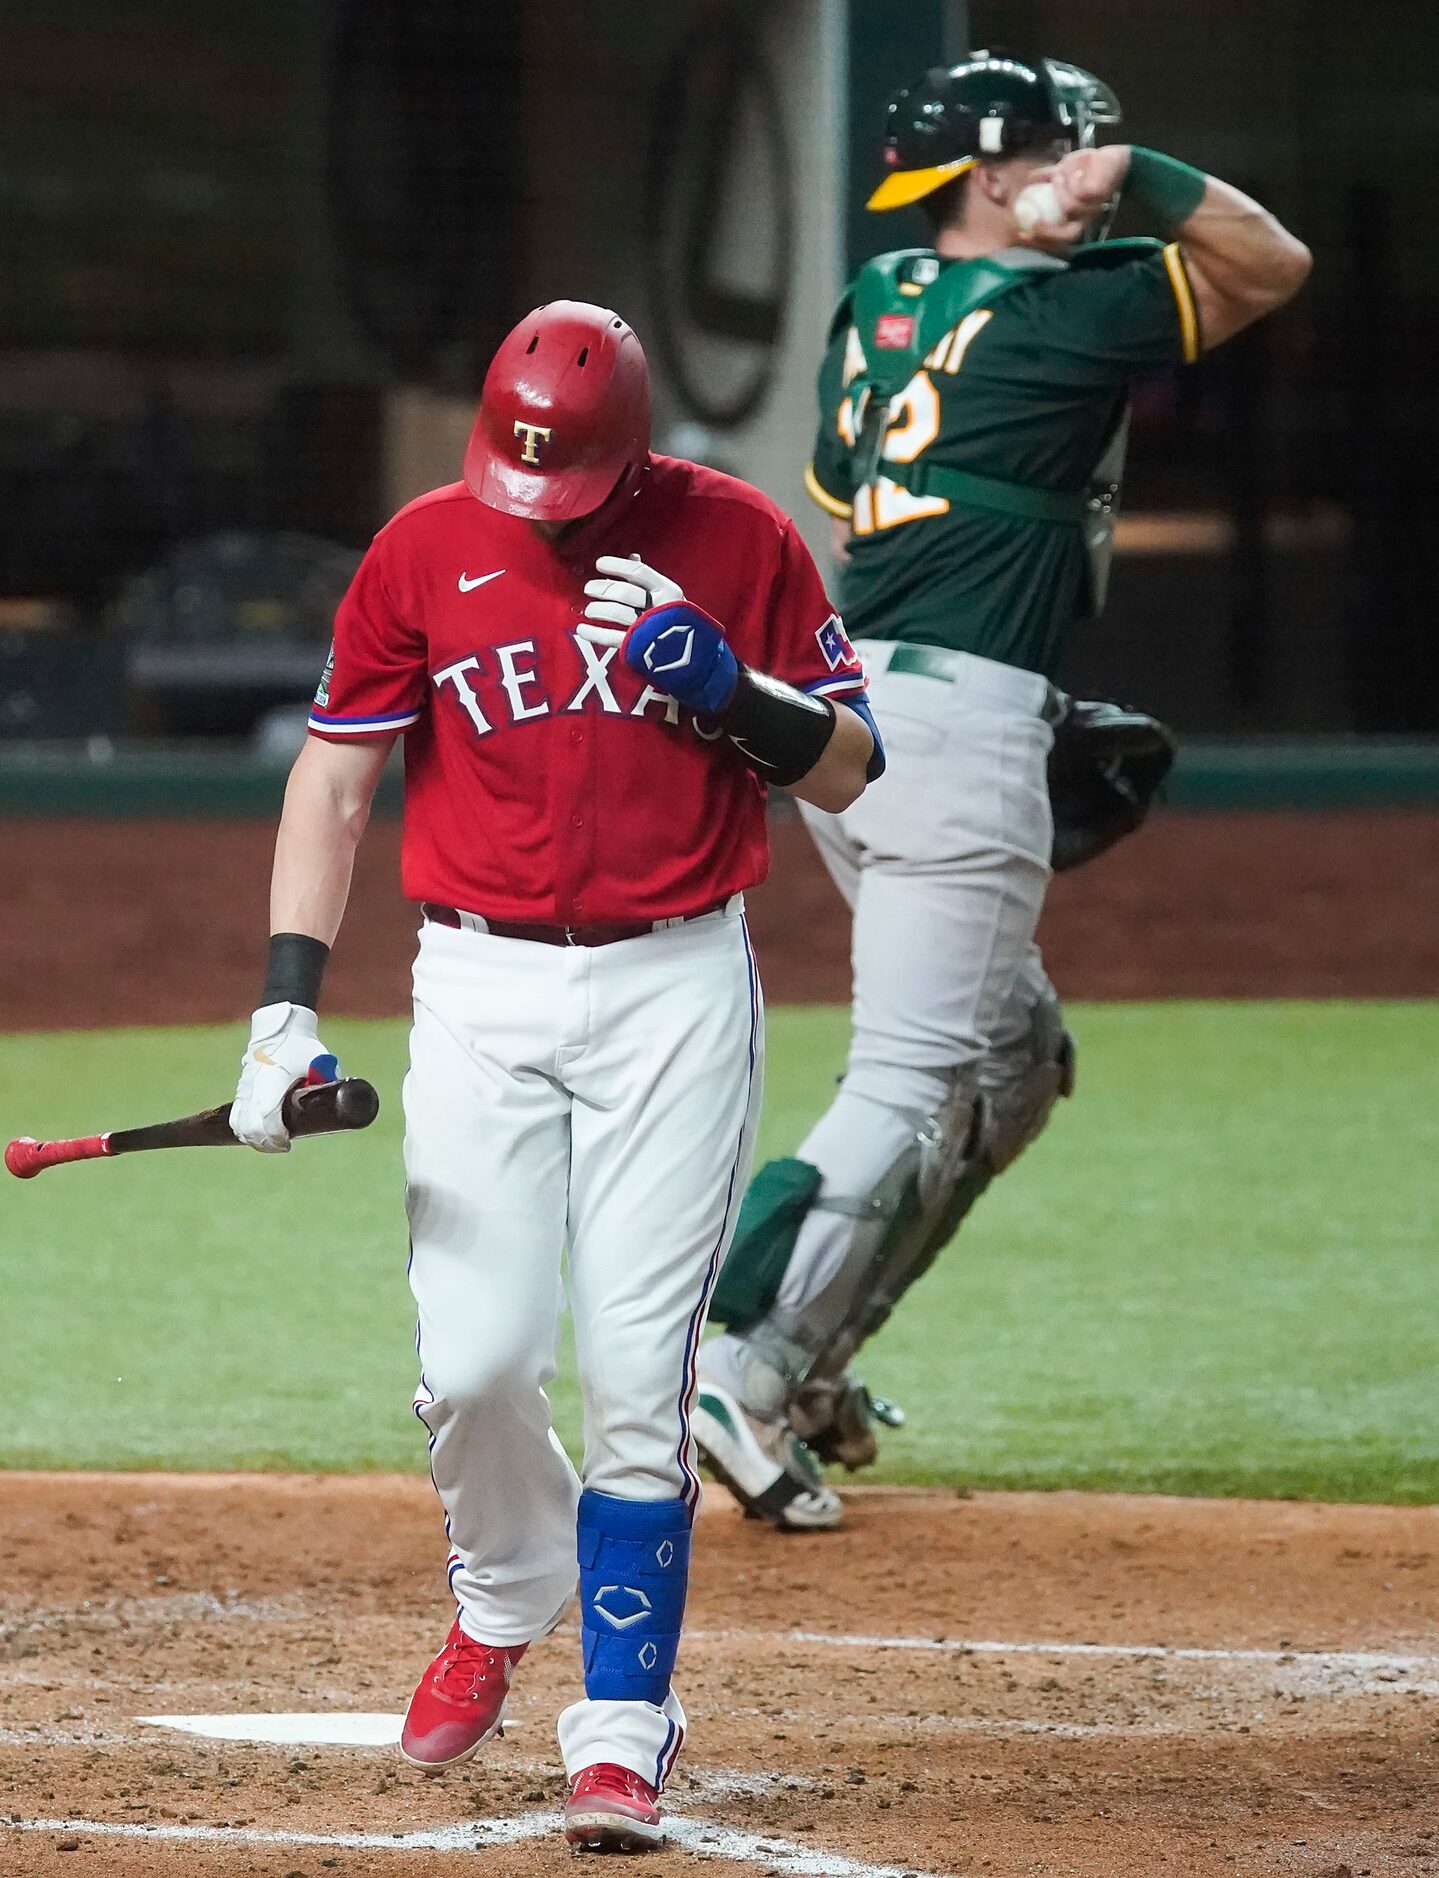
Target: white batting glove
(284, 1042)
(616, 602)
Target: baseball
(1036, 204)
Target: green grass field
(1216, 1273)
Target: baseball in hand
(1036, 205)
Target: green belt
(945, 664)
(927, 662)
(989, 492)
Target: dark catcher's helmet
(564, 414)
(993, 105)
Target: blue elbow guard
(634, 1558)
(860, 706)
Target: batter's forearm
(327, 805)
(839, 777)
(310, 884)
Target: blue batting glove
(682, 651)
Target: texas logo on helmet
(533, 435)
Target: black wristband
(296, 970)
(781, 731)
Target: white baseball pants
(603, 1098)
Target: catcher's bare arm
(1240, 260)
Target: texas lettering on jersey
(510, 680)
(545, 780)
(506, 685)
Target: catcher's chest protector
(902, 305)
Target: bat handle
(27, 1157)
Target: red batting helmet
(564, 414)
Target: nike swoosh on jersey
(468, 586)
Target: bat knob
(22, 1159)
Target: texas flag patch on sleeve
(834, 644)
(845, 672)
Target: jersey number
(912, 426)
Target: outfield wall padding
(1327, 774)
(150, 920)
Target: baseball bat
(318, 1108)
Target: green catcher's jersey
(1014, 370)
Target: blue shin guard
(634, 1571)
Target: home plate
(291, 1731)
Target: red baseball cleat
(610, 1809)
(460, 1702)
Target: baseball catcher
(973, 413)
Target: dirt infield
(144, 922)
(1010, 1684)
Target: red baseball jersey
(544, 780)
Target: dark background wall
(1317, 432)
(238, 239)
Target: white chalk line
(167, 1607)
(337, 1729)
(992, 1725)
(703, 1837)
(188, 1606)
(711, 1841)
(466, 1838)
(36, 1737)
(1358, 1660)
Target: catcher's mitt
(1104, 772)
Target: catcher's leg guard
(1029, 1066)
(750, 1381)
(885, 1232)
(793, 1361)
(770, 1216)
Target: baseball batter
(597, 658)
(973, 412)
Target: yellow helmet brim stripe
(902, 187)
